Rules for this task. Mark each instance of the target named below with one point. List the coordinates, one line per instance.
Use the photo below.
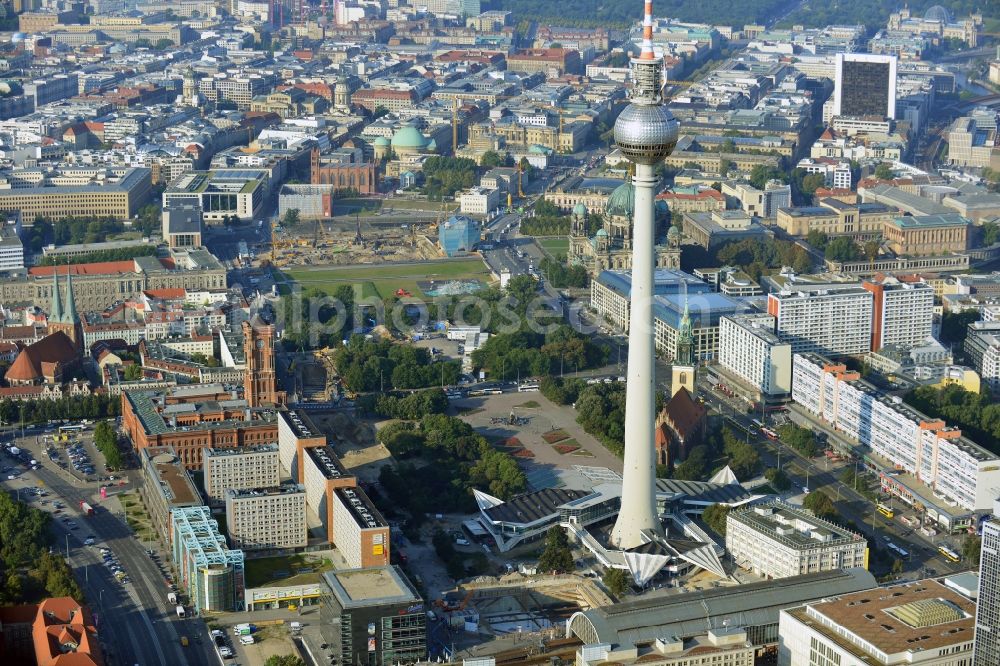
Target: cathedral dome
(938, 13)
(621, 203)
(579, 210)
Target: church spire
(56, 309)
(70, 316)
(685, 338)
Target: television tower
(646, 133)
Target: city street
(821, 474)
(139, 625)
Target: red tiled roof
(683, 413)
(35, 359)
(97, 268)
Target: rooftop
(327, 462)
(176, 485)
(918, 616)
(364, 513)
(357, 588)
(239, 451)
(533, 507)
(931, 221)
(793, 528)
(300, 424)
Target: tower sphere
(646, 134)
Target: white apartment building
(360, 532)
(479, 201)
(922, 450)
(239, 468)
(828, 319)
(776, 540)
(11, 249)
(923, 623)
(749, 349)
(903, 313)
(982, 345)
(267, 518)
(987, 644)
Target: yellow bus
(886, 511)
(948, 554)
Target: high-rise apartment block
(235, 469)
(832, 320)
(865, 85)
(778, 541)
(360, 531)
(750, 349)
(936, 456)
(987, 645)
(267, 518)
(902, 312)
(982, 346)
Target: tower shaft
(638, 510)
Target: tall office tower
(646, 133)
(987, 644)
(865, 85)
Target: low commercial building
(458, 235)
(479, 201)
(193, 417)
(927, 235)
(166, 487)
(833, 217)
(925, 622)
(933, 467)
(610, 292)
(207, 567)
(222, 194)
(182, 224)
(777, 540)
(119, 197)
(99, 285)
(360, 532)
(722, 226)
(267, 518)
(375, 616)
(313, 202)
(754, 607)
(725, 646)
(244, 467)
(750, 349)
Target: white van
(246, 640)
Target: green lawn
(554, 246)
(269, 571)
(410, 204)
(383, 280)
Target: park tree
(778, 479)
(291, 217)
(884, 172)
(820, 504)
(715, 517)
(557, 556)
(616, 580)
(284, 660)
(971, 548)
(133, 372)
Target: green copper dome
(621, 203)
(579, 210)
(381, 141)
(409, 137)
